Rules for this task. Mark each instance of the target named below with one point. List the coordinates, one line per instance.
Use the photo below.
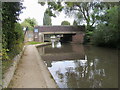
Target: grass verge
(33, 42)
(5, 65)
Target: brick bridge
(73, 34)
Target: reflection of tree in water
(60, 75)
(49, 63)
(92, 76)
(84, 74)
(71, 77)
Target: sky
(35, 10)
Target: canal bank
(31, 71)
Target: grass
(5, 65)
(33, 42)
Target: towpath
(31, 72)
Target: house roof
(60, 28)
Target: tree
(30, 23)
(25, 24)
(65, 23)
(107, 33)
(75, 23)
(46, 19)
(80, 10)
(53, 6)
(11, 35)
(10, 13)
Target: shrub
(107, 34)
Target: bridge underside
(65, 37)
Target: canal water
(79, 66)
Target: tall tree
(10, 13)
(46, 18)
(75, 23)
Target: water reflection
(76, 66)
(56, 44)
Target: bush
(18, 43)
(107, 34)
(4, 55)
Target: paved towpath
(29, 73)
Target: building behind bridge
(74, 34)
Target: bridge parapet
(60, 28)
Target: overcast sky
(35, 10)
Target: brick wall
(78, 38)
(36, 37)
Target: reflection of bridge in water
(70, 53)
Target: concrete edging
(44, 44)
(7, 77)
(46, 73)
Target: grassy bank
(33, 42)
(5, 65)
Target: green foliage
(4, 55)
(19, 32)
(18, 43)
(33, 42)
(30, 23)
(12, 36)
(107, 34)
(10, 13)
(5, 65)
(75, 23)
(42, 3)
(46, 19)
(80, 10)
(25, 24)
(87, 12)
(0, 12)
(53, 6)
(65, 23)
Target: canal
(79, 66)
